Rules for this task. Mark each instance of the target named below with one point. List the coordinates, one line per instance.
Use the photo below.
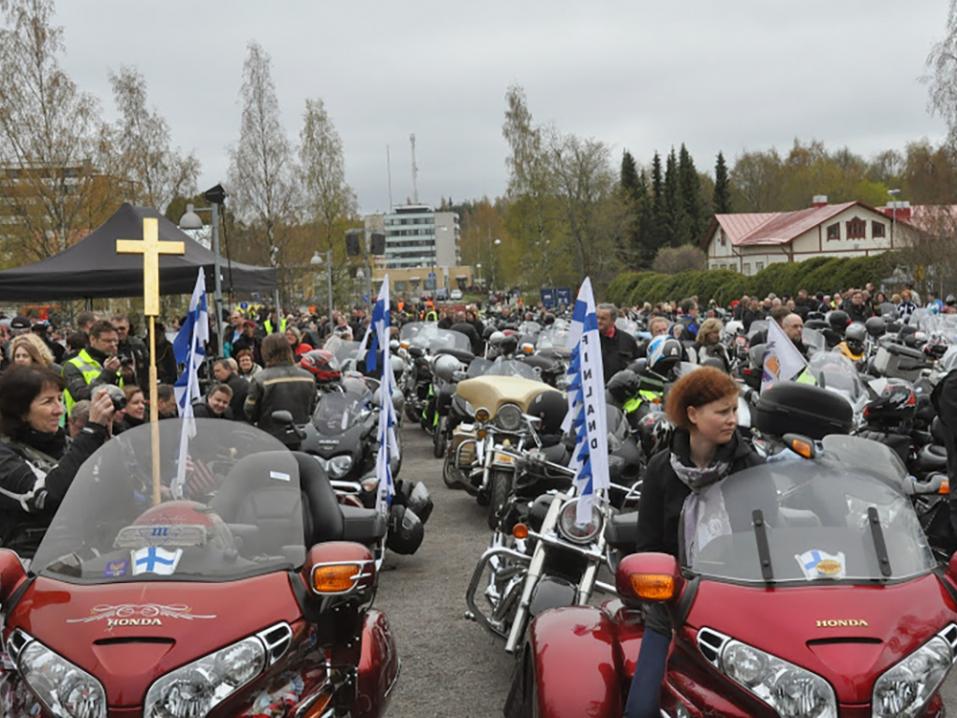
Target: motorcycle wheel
(450, 472)
(439, 439)
(410, 411)
(500, 486)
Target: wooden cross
(151, 248)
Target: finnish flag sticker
(820, 564)
(155, 559)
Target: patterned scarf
(696, 479)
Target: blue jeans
(643, 696)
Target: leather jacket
(280, 387)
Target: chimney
(898, 209)
(819, 200)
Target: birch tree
(49, 138)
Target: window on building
(758, 266)
(722, 239)
(834, 231)
(856, 228)
(877, 229)
(747, 268)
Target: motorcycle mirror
(339, 571)
(12, 574)
(648, 577)
(282, 416)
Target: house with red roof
(749, 242)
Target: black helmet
(855, 335)
(550, 407)
(876, 326)
(897, 403)
(415, 497)
(654, 431)
(817, 324)
(838, 319)
(405, 530)
(623, 385)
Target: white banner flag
(782, 360)
(586, 404)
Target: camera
(116, 395)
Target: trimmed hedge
(820, 274)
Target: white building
(418, 236)
(748, 242)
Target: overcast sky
(641, 75)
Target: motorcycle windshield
(339, 411)
(508, 367)
(813, 340)
(758, 325)
(447, 339)
(940, 325)
(816, 525)
(232, 508)
(834, 372)
(553, 337)
(343, 350)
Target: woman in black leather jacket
(705, 449)
(37, 462)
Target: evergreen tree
(657, 230)
(722, 187)
(629, 175)
(646, 244)
(691, 216)
(672, 205)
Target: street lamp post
(191, 220)
(316, 261)
(893, 193)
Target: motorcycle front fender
(551, 592)
(575, 667)
(378, 666)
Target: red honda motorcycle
(806, 589)
(246, 591)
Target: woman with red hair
(705, 448)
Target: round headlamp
(508, 417)
(569, 527)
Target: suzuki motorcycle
(249, 596)
(817, 556)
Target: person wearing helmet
(618, 348)
(664, 354)
(323, 366)
(853, 345)
(950, 305)
(705, 448)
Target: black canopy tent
(92, 268)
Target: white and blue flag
(388, 446)
(155, 559)
(586, 404)
(782, 360)
(189, 348)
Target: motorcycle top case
(791, 408)
(899, 362)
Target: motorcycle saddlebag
(792, 408)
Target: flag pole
(154, 415)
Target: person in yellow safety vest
(431, 316)
(270, 327)
(95, 365)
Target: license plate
(504, 459)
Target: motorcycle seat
(365, 526)
(621, 531)
(932, 458)
(555, 453)
(463, 355)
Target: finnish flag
(155, 559)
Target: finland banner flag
(586, 404)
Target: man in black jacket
(944, 399)
(281, 385)
(618, 348)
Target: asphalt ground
(452, 666)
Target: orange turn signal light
(944, 487)
(337, 578)
(802, 448)
(318, 708)
(520, 531)
(482, 415)
(653, 587)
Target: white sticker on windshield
(279, 476)
(820, 564)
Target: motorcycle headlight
(791, 690)
(569, 528)
(339, 466)
(196, 688)
(904, 688)
(64, 688)
(508, 417)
